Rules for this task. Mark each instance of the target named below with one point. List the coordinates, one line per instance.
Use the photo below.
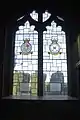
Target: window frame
(40, 45)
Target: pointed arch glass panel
(26, 61)
(54, 65)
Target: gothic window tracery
(26, 54)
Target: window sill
(47, 97)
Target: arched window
(26, 67)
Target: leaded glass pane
(25, 74)
(26, 65)
(34, 15)
(54, 66)
(46, 16)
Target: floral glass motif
(26, 47)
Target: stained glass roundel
(54, 47)
(26, 47)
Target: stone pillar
(78, 66)
(72, 57)
(7, 62)
(2, 44)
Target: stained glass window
(54, 64)
(46, 15)
(20, 18)
(26, 65)
(34, 15)
(25, 74)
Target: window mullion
(40, 56)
